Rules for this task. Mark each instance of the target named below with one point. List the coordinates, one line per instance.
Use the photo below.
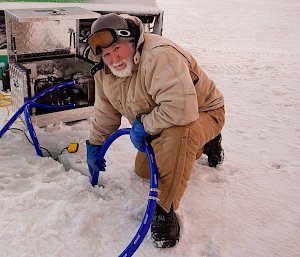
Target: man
(167, 98)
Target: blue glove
(138, 135)
(92, 152)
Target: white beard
(125, 72)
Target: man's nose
(115, 58)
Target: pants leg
(176, 150)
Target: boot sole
(165, 243)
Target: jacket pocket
(142, 106)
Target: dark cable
(63, 150)
(31, 142)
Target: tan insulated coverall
(184, 110)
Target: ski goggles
(105, 38)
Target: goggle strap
(134, 30)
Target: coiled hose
(153, 192)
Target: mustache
(118, 64)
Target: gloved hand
(138, 135)
(92, 152)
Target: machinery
(47, 46)
(43, 47)
(50, 81)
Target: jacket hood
(138, 22)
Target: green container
(3, 61)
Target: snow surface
(248, 207)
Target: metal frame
(31, 103)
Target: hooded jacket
(167, 85)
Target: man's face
(119, 58)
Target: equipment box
(43, 50)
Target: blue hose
(32, 100)
(32, 133)
(57, 107)
(153, 192)
(26, 109)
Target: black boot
(214, 151)
(164, 228)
